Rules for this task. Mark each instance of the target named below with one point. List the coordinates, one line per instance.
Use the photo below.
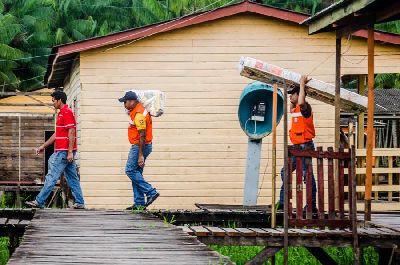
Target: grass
(4, 255)
(297, 255)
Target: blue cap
(130, 95)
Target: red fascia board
(180, 23)
(379, 36)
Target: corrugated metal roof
(28, 100)
(387, 101)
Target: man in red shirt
(62, 160)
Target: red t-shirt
(65, 121)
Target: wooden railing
(386, 175)
(303, 173)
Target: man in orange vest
(301, 134)
(140, 136)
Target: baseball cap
(130, 95)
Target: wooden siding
(199, 149)
(72, 87)
(32, 135)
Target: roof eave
(58, 52)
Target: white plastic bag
(152, 100)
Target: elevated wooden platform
(377, 237)
(108, 237)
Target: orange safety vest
(302, 130)
(133, 133)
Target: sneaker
(136, 208)
(78, 206)
(152, 199)
(33, 204)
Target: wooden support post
(361, 132)
(370, 124)
(351, 128)
(321, 256)
(390, 178)
(18, 193)
(274, 115)
(352, 174)
(264, 255)
(286, 178)
(337, 112)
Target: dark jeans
(309, 145)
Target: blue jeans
(309, 145)
(140, 186)
(58, 164)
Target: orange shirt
(302, 130)
(140, 120)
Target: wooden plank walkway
(108, 237)
(389, 220)
(377, 237)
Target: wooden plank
(187, 229)
(12, 222)
(260, 232)
(309, 192)
(390, 178)
(332, 223)
(246, 232)
(317, 154)
(265, 72)
(302, 232)
(322, 256)
(263, 256)
(274, 232)
(231, 231)
(215, 231)
(299, 188)
(379, 152)
(331, 188)
(320, 176)
(105, 237)
(341, 187)
(24, 222)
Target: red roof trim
(244, 7)
(380, 36)
(180, 23)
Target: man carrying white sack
(140, 136)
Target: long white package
(152, 100)
(268, 73)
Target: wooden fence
(386, 174)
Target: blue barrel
(252, 95)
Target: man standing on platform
(62, 160)
(140, 136)
(301, 135)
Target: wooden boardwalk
(389, 220)
(108, 237)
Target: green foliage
(387, 81)
(297, 255)
(305, 6)
(29, 28)
(4, 254)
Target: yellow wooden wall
(199, 149)
(72, 87)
